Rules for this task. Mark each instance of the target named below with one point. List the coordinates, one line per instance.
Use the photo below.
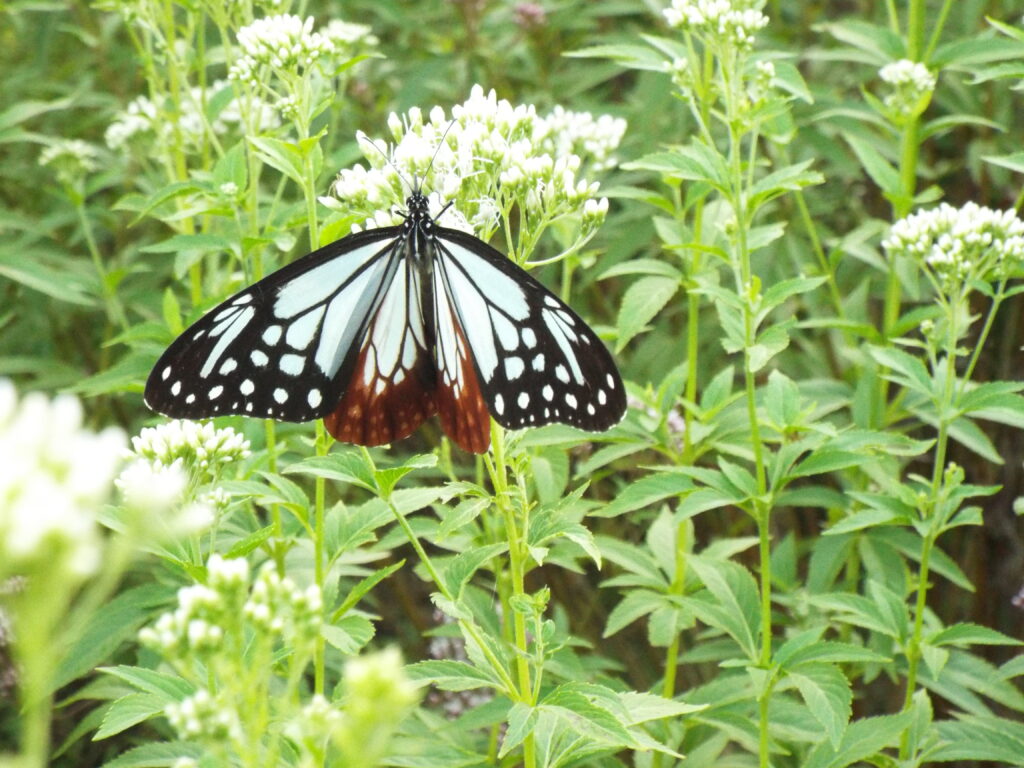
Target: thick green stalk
(517, 568)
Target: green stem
(517, 569)
(323, 443)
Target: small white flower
(906, 72)
(227, 573)
(733, 22)
(960, 242)
(152, 487)
(284, 42)
(912, 87)
(199, 446)
(55, 477)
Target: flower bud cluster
(143, 123)
(958, 244)
(285, 42)
(71, 159)
(202, 717)
(912, 87)
(277, 606)
(201, 447)
(56, 475)
(728, 22)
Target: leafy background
(68, 69)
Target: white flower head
(960, 243)
(56, 475)
(151, 487)
(489, 156)
(732, 22)
(911, 90)
(285, 43)
(200, 447)
(71, 159)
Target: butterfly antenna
(387, 159)
(440, 144)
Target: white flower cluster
(279, 606)
(142, 121)
(199, 446)
(196, 626)
(375, 682)
(285, 42)
(70, 159)
(957, 243)
(489, 156)
(55, 476)
(202, 716)
(907, 72)
(912, 87)
(733, 22)
(349, 37)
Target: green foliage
(776, 559)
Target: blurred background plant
(807, 269)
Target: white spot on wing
(611, 381)
(259, 358)
(166, 374)
(229, 365)
(272, 334)
(529, 337)
(314, 398)
(190, 399)
(506, 332)
(524, 399)
(538, 362)
(245, 298)
(291, 364)
(228, 335)
(514, 367)
(301, 332)
(280, 395)
(562, 373)
(214, 393)
(247, 387)
(176, 388)
(499, 404)
(548, 392)
(602, 398)
(570, 400)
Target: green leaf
(642, 267)
(980, 738)
(169, 688)
(118, 622)
(159, 754)
(200, 242)
(644, 492)
(862, 739)
(735, 607)
(642, 302)
(644, 707)
(363, 587)
(462, 567)
(349, 634)
(878, 168)
(285, 156)
(908, 371)
(965, 633)
(128, 711)
(346, 466)
(635, 605)
(450, 675)
(627, 55)
(826, 691)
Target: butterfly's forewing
(535, 360)
(284, 347)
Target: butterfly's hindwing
(281, 348)
(537, 361)
(390, 388)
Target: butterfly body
(384, 328)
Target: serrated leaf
(166, 686)
(128, 711)
(966, 633)
(828, 696)
(862, 739)
(642, 302)
(158, 754)
(449, 675)
(644, 492)
(349, 634)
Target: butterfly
(380, 330)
